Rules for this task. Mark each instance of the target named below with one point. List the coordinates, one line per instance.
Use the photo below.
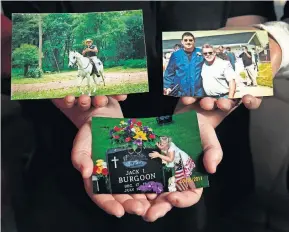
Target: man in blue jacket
(183, 73)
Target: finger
(122, 97)
(64, 103)
(99, 101)
(130, 205)
(84, 102)
(251, 102)
(213, 153)
(186, 198)
(208, 103)
(144, 200)
(104, 201)
(188, 100)
(160, 207)
(81, 151)
(225, 105)
(151, 196)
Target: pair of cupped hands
(210, 113)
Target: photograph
(60, 54)
(147, 155)
(217, 63)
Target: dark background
(47, 193)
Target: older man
(91, 51)
(183, 73)
(219, 78)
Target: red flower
(128, 139)
(104, 171)
(117, 128)
(95, 169)
(116, 136)
(139, 124)
(131, 126)
(152, 136)
(133, 120)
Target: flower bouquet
(151, 186)
(100, 168)
(133, 134)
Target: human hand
(149, 206)
(154, 155)
(251, 102)
(78, 110)
(167, 91)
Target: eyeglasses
(186, 40)
(207, 53)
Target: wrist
(279, 31)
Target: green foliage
(137, 63)
(118, 35)
(34, 73)
(26, 54)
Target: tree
(40, 43)
(25, 56)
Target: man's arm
(248, 55)
(170, 72)
(231, 77)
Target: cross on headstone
(114, 160)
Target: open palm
(149, 206)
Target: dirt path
(111, 78)
(254, 91)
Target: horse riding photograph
(60, 54)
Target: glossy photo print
(147, 155)
(217, 63)
(60, 54)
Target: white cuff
(280, 32)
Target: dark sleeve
(260, 8)
(240, 56)
(286, 11)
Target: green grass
(184, 132)
(102, 90)
(65, 76)
(265, 75)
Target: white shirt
(216, 77)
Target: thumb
(81, 151)
(213, 153)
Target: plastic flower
(99, 170)
(122, 122)
(139, 124)
(128, 139)
(99, 162)
(116, 129)
(104, 171)
(140, 135)
(152, 136)
(116, 136)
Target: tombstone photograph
(147, 155)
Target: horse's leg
(95, 81)
(88, 84)
(80, 83)
(102, 76)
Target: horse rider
(90, 51)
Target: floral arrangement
(151, 186)
(133, 134)
(100, 168)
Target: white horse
(85, 69)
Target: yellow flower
(121, 122)
(140, 135)
(99, 170)
(150, 129)
(99, 163)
